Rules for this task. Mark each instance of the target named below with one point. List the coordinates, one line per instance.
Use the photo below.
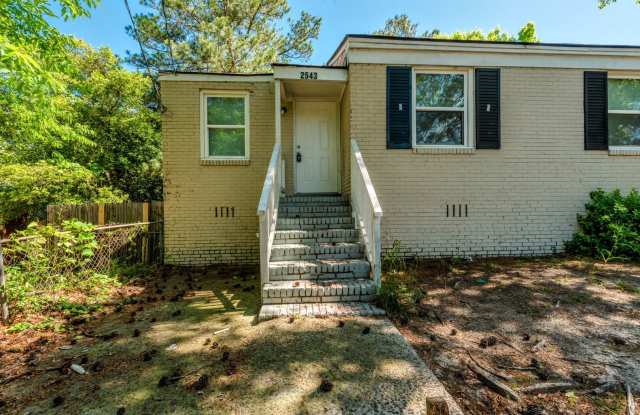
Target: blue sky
(575, 21)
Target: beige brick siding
(522, 199)
(193, 235)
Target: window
(441, 109)
(225, 125)
(624, 112)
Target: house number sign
(308, 75)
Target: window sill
(221, 162)
(444, 150)
(624, 152)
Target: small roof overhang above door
(308, 81)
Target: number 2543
(308, 75)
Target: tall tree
(221, 35)
(604, 3)
(399, 25)
(402, 26)
(31, 50)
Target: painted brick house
(453, 148)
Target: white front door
(316, 147)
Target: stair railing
(366, 210)
(268, 209)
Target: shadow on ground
(193, 323)
(583, 311)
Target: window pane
(440, 90)
(226, 142)
(624, 94)
(225, 110)
(440, 128)
(624, 130)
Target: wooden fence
(107, 213)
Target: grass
(611, 404)
(46, 324)
(627, 287)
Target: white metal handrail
(268, 209)
(366, 210)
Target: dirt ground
(587, 315)
(188, 344)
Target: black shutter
(398, 107)
(487, 108)
(596, 125)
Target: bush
(26, 190)
(610, 227)
(399, 291)
(392, 260)
(45, 263)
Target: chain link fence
(61, 254)
(135, 243)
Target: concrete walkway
(374, 373)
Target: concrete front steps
(318, 266)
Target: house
(452, 148)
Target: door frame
(338, 140)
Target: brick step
(319, 269)
(326, 291)
(308, 209)
(270, 311)
(316, 236)
(313, 204)
(313, 199)
(302, 215)
(313, 227)
(315, 223)
(329, 250)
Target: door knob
(298, 157)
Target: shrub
(610, 227)
(26, 190)
(45, 262)
(392, 260)
(399, 291)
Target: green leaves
(31, 50)
(610, 227)
(399, 25)
(402, 26)
(229, 36)
(604, 3)
(26, 190)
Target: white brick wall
(522, 199)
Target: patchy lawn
(186, 343)
(586, 314)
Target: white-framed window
(224, 131)
(442, 109)
(624, 112)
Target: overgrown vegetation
(71, 117)
(27, 189)
(399, 291)
(47, 265)
(610, 227)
